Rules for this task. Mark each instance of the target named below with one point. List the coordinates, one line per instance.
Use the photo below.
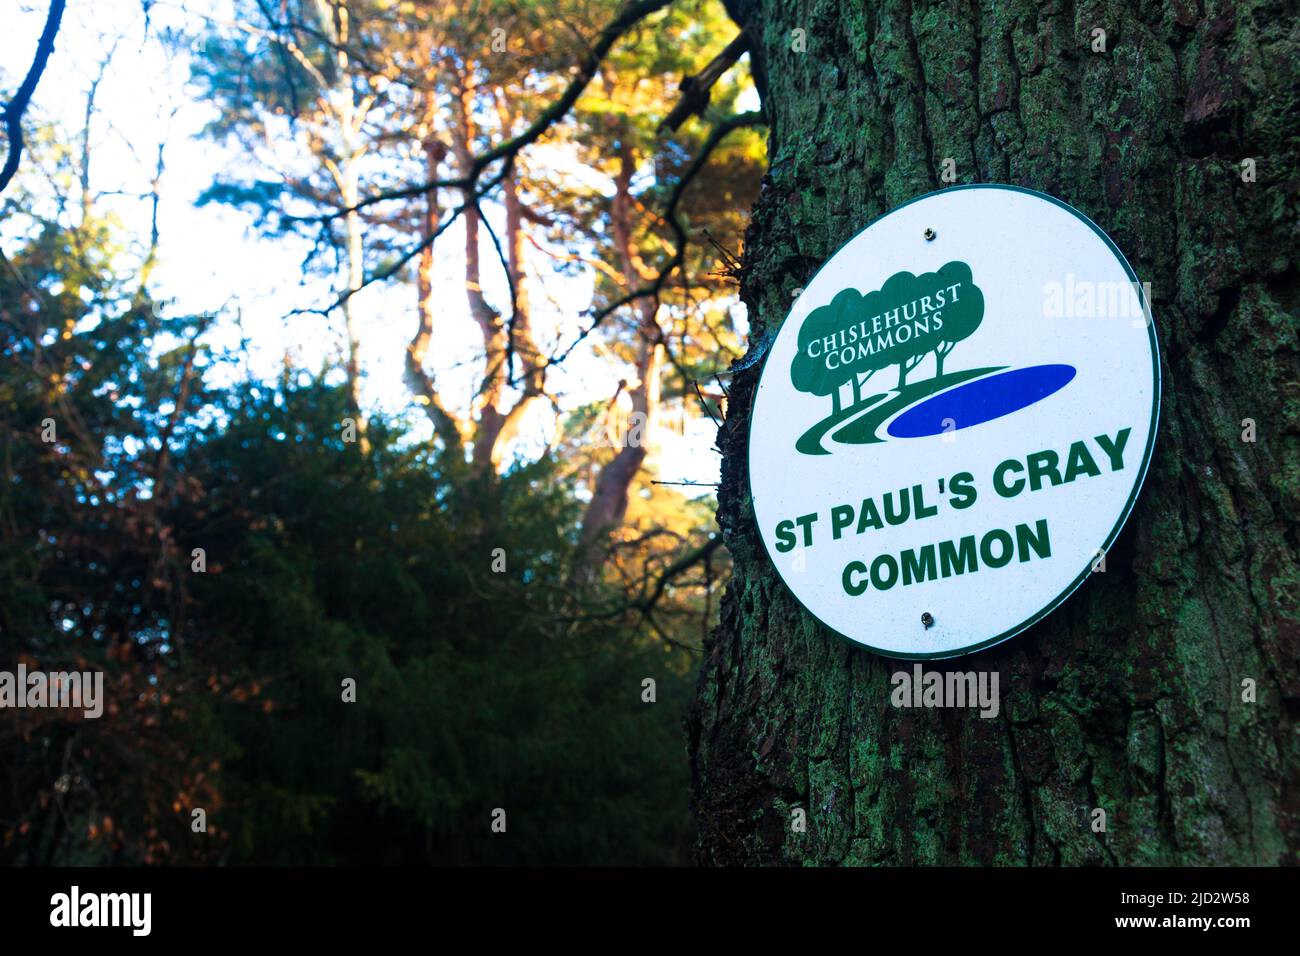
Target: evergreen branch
(719, 132)
(633, 14)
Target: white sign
(954, 421)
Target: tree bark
(1128, 698)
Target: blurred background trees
(522, 617)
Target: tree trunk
(487, 417)
(350, 116)
(356, 266)
(419, 381)
(609, 498)
(506, 340)
(1128, 698)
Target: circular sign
(954, 421)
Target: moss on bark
(1128, 697)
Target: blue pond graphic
(981, 401)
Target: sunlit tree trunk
(525, 356)
(496, 415)
(356, 274)
(349, 116)
(486, 416)
(1129, 698)
(418, 380)
(608, 506)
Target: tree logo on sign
(845, 344)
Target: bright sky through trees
(211, 260)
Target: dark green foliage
(470, 696)
(475, 689)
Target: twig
(703, 402)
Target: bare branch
(409, 254)
(695, 89)
(13, 112)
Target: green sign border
(1128, 505)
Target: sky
(211, 260)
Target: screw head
(927, 619)
(930, 235)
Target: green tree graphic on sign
(962, 318)
(854, 336)
(812, 375)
